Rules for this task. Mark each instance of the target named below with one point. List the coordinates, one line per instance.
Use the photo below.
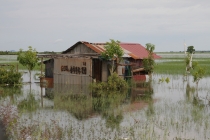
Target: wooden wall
(73, 71)
(104, 71)
(81, 48)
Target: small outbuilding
(82, 64)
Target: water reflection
(83, 104)
(190, 91)
(192, 96)
(28, 104)
(197, 103)
(11, 92)
(143, 96)
(108, 105)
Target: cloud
(58, 41)
(39, 21)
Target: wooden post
(42, 96)
(91, 65)
(117, 66)
(41, 66)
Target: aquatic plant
(114, 83)
(198, 74)
(28, 104)
(149, 62)
(10, 76)
(162, 79)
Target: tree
(190, 49)
(189, 63)
(113, 52)
(149, 62)
(198, 75)
(28, 59)
(198, 72)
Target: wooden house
(81, 63)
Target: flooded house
(82, 63)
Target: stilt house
(81, 63)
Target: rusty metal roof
(134, 50)
(137, 50)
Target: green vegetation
(114, 83)
(198, 74)
(10, 76)
(27, 130)
(16, 53)
(170, 67)
(178, 66)
(149, 62)
(113, 52)
(69, 100)
(162, 79)
(28, 59)
(21, 67)
(28, 104)
(7, 53)
(10, 91)
(190, 64)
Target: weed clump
(114, 83)
(10, 76)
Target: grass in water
(178, 67)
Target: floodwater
(176, 110)
(156, 110)
(183, 55)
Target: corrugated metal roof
(137, 50)
(134, 50)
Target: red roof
(134, 50)
(137, 49)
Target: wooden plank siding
(73, 70)
(104, 74)
(81, 48)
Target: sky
(56, 25)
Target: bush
(10, 76)
(114, 83)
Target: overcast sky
(55, 25)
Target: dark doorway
(97, 68)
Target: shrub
(114, 83)
(10, 76)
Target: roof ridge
(126, 43)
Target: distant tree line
(48, 52)
(197, 51)
(8, 53)
(201, 51)
(16, 53)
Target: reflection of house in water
(141, 97)
(81, 63)
(76, 99)
(82, 103)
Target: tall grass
(178, 67)
(21, 67)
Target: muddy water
(174, 110)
